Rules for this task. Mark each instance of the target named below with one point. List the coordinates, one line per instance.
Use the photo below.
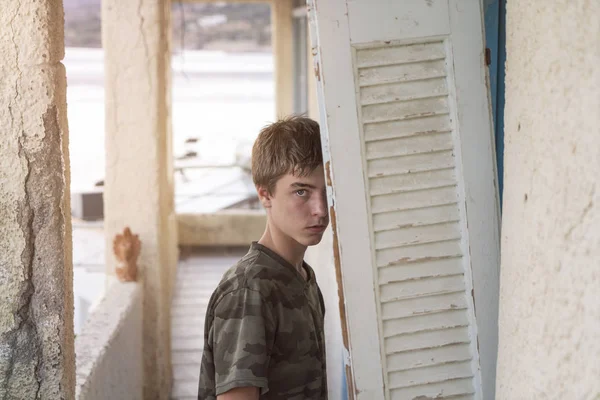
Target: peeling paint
(350, 382)
(338, 275)
(342, 302)
(317, 71)
(328, 173)
(428, 397)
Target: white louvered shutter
(408, 142)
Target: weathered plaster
(109, 348)
(139, 169)
(549, 325)
(36, 298)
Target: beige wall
(36, 281)
(320, 257)
(109, 348)
(550, 275)
(139, 169)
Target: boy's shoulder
(255, 271)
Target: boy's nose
(320, 207)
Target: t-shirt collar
(259, 247)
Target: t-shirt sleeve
(242, 341)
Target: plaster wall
(549, 324)
(109, 348)
(36, 297)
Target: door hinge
(488, 56)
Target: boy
(263, 336)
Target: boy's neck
(289, 249)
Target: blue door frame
(495, 39)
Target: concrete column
(37, 359)
(282, 38)
(549, 324)
(139, 169)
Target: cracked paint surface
(36, 339)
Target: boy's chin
(312, 240)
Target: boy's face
(297, 207)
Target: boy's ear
(264, 196)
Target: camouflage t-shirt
(264, 328)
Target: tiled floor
(198, 274)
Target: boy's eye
(301, 192)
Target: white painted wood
(405, 110)
(436, 373)
(420, 288)
(415, 217)
(415, 199)
(417, 235)
(426, 340)
(414, 181)
(343, 154)
(474, 126)
(427, 269)
(444, 320)
(423, 305)
(434, 390)
(407, 138)
(403, 91)
(409, 127)
(412, 163)
(382, 20)
(402, 73)
(424, 143)
(428, 357)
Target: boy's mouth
(317, 228)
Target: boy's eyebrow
(302, 185)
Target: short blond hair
(290, 145)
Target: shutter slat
(401, 73)
(410, 163)
(425, 143)
(423, 305)
(405, 109)
(403, 91)
(417, 235)
(443, 320)
(421, 287)
(381, 56)
(424, 252)
(427, 357)
(412, 181)
(433, 374)
(439, 390)
(407, 127)
(415, 217)
(427, 269)
(415, 199)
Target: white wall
(320, 257)
(108, 351)
(549, 325)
